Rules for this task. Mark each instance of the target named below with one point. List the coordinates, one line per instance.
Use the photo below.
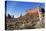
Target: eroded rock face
(28, 21)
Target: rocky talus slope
(25, 22)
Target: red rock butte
(33, 11)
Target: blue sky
(17, 8)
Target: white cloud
(16, 16)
